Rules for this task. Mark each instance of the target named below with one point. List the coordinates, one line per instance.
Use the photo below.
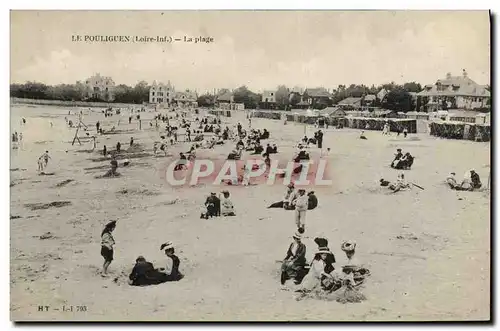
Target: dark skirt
(107, 254)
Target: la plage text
(140, 39)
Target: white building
(100, 87)
(161, 94)
(269, 96)
(459, 92)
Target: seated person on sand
(226, 205)
(264, 135)
(171, 271)
(213, 206)
(274, 149)
(352, 268)
(362, 135)
(384, 182)
(470, 182)
(293, 266)
(182, 163)
(258, 149)
(397, 156)
(305, 140)
(451, 181)
(312, 201)
(191, 154)
(287, 199)
(399, 184)
(320, 275)
(476, 181)
(405, 162)
(144, 274)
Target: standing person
(301, 204)
(97, 125)
(405, 132)
(107, 243)
(129, 119)
(131, 141)
(43, 160)
(118, 147)
(104, 150)
(319, 138)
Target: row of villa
(457, 92)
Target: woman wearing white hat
(295, 261)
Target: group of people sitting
(471, 181)
(402, 161)
(144, 273)
(215, 206)
(323, 273)
(290, 199)
(398, 185)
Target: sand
(428, 250)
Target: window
(272, 94)
(160, 88)
(167, 94)
(152, 93)
(160, 99)
(153, 100)
(96, 89)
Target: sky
(259, 49)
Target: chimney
(448, 75)
(464, 73)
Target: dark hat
(140, 258)
(111, 224)
(213, 193)
(399, 149)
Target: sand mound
(137, 192)
(56, 204)
(64, 182)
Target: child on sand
(107, 242)
(43, 160)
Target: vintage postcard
(250, 166)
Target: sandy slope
(438, 271)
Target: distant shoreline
(61, 103)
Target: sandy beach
(428, 250)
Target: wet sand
(428, 250)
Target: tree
(282, 96)
(412, 87)
(244, 95)
(398, 100)
(206, 100)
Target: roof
(186, 95)
(463, 113)
(455, 86)
(332, 111)
(317, 92)
(370, 97)
(382, 93)
(351, 101)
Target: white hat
(167, 245)
(348, 246)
